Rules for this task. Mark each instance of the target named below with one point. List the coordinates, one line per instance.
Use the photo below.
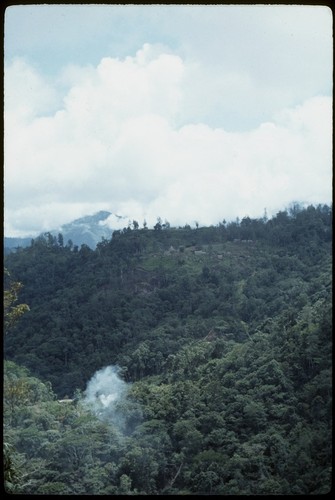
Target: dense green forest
(218, 342)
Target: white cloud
(27, 94)
(126, 140)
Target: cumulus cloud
(122, 139)
(27, 93)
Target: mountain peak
(88, 230)
(89, 219)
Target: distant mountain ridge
(12, 243)
(88, 230)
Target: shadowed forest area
(220, 338)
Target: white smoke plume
(107, 396)
(104, 392)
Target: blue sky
(188, 113)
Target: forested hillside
(221, 337)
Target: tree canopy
(222, 335)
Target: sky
(190, 113)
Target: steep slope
(162, 287)
(223, 337)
